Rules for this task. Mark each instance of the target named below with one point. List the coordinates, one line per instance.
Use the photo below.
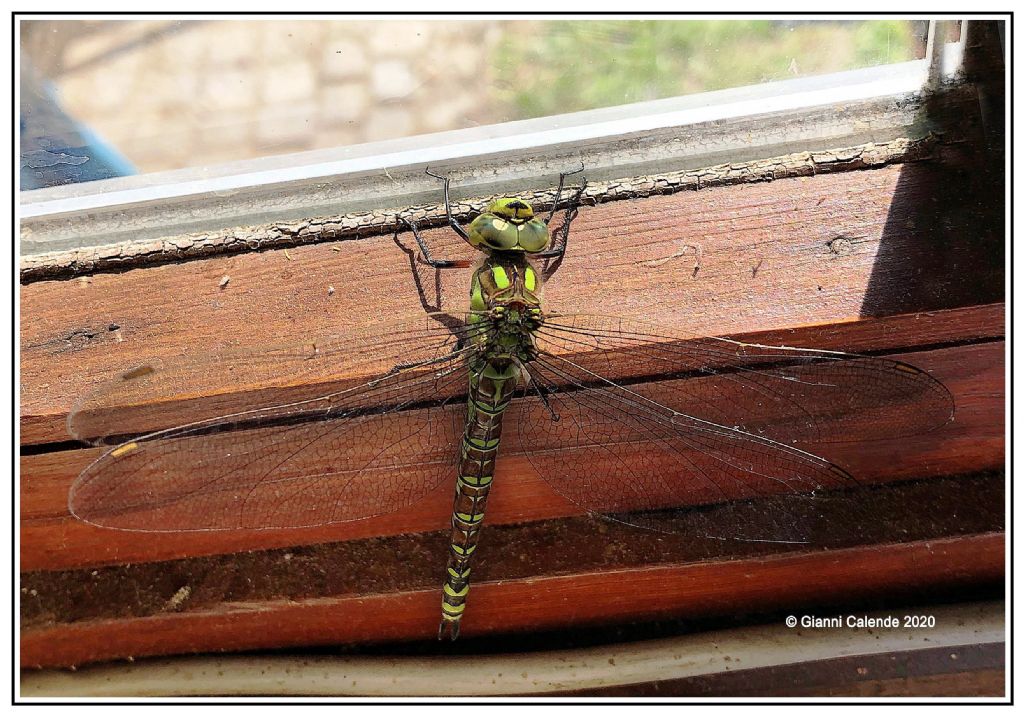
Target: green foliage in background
(551, 67)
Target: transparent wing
(729, 426)
(286, 437)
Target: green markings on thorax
(503, 277)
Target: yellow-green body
(504, 295)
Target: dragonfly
(622, 418)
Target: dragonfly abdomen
(490, 389)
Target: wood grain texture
(133, 254)
(901, 260)
(52, 539)
(790, 581)
(934, 508)
(836, 247)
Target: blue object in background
(55, 148)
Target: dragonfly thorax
(505, 283)
(505, 295)
(515, 322)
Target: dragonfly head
(515, 211)
(509, 225)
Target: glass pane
(104, 98)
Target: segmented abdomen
(490, 389)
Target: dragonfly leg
(543, 393)
(562, 235)
(427, 255)
(456, 226)
(558, 194)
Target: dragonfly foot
(448, 625)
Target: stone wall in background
(172, 94)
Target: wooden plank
(681, 660)
(168, 394)
(974, 440)
(837, 247)
(935, 508)
(668, 591)
(135, 253)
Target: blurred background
(104, 98)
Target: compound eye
(533, 236)
(493, 232)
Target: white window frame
(874, 104)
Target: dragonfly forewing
(792, 395)
(331, 452)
